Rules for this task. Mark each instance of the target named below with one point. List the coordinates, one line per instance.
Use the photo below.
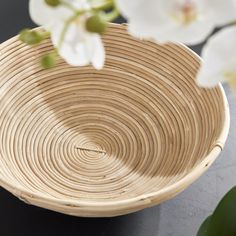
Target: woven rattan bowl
(110, 142)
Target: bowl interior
(139, 125)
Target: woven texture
(105, 143)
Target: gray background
(181, 216)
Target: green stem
(64, 30)
(105, 5)
(67, 24)
(111, 16)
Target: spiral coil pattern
(109, 142)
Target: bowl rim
(132, 203)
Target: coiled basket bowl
(105, 143)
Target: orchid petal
(219, 56)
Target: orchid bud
(48, 61)
(30, 37)
(96, 24)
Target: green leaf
(223, 220)
(204, 229)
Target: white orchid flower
(219, 59)
(186, 21)
(69, 35)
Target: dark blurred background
(14, 16)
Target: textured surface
(109, 142)
(183, 215)
(178, 217)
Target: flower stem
(103, 5)
(65, 28)
(106, 4)
(111, 16)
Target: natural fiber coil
(105, 143)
